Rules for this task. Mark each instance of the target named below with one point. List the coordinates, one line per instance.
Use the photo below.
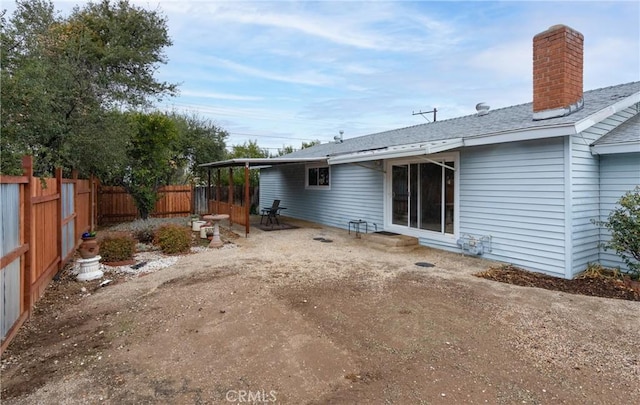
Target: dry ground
(292, 320)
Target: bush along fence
(116, 205)
(42, 222)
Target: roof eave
(261, 162)
(521, 135)
(615, 148)
(607, 112)
(400, 151)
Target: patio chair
(271, 214)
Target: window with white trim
(318, 177)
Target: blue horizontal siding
(585, 202)
(514, 192)
(619, 173)
(356, 192)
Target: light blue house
(520, 184)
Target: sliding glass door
(423, 196)
(400, 195)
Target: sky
(285, 72)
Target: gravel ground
(345, 322)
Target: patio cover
(261, 162)
(393, 152)
(251, 163)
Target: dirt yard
(287, 317)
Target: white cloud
(311, 68)
(508, 60)
(218, 96)
(309, 77)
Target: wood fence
(115, 205)
(42, 221)
(202, 204)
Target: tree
(154, 144)
(65, 80)
(306, 145)
(289, 149)
(624, 225)
(285, 150)
(199, 141)
(247, 150)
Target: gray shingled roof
(518, 117)
(628, 131)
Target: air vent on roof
(338, 138)
(482, 108)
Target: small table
(356, 226)
(215, 242)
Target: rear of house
(521, 184)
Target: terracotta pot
(89, 248)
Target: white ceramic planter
(196, 225)
(204, 230)
(89, 269)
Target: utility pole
(434, 111)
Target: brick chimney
(557, 72)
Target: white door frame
(388, 195)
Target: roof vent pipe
(482, 108)
(338, 138)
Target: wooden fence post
(27, 232)
(59, 209)
(76, 223)
(95, 202)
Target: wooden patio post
(230, 196)
(247, 200)
(208, 190)
(27, 231)
(59, 224)
(218, 191)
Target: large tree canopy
(66, 80)
(151, 159)
(200, 141)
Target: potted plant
(193, 218)
(89, 247)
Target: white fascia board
(615, 148)
(261, 161)
(393, 152)
(521, 135)
(605, 113)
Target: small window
(318, 177)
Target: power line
(271, 136)
(208, 109)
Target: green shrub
(117, 248)
(173, 239)
(144, 232)
(624, 224)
